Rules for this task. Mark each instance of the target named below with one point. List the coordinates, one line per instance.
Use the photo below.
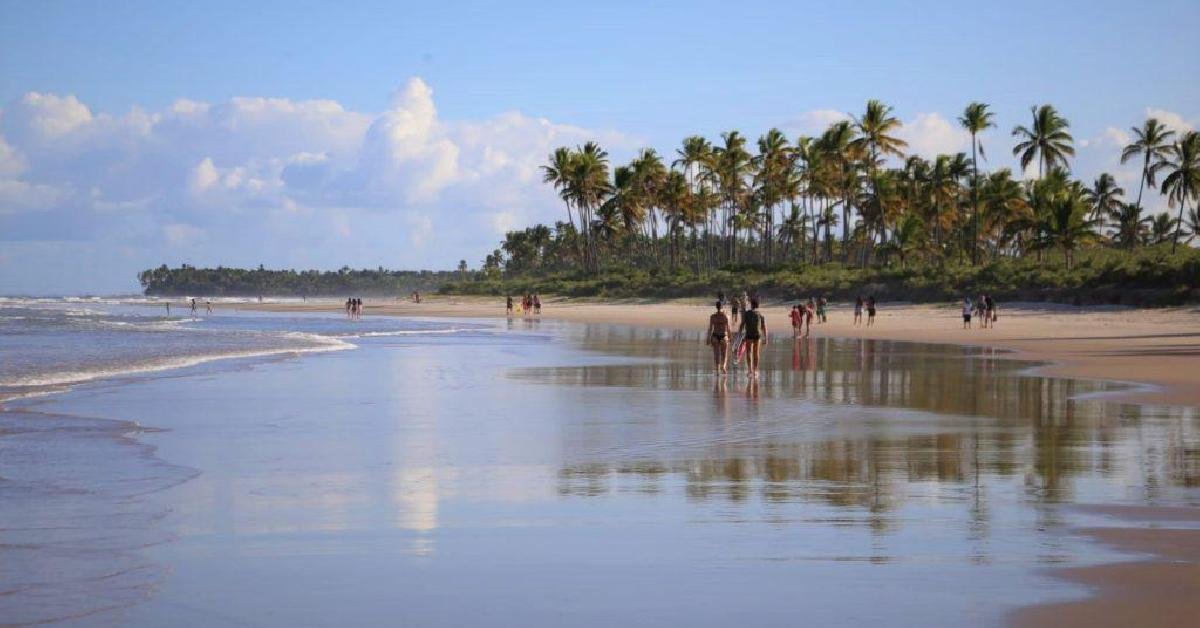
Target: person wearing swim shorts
(870, 310)
(717, 337)
(858, 307)
(967, 307)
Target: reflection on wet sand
(870, 426)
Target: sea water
(537, 473)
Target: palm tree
(1065, 223)
(1182, 183)
(838, 145)
(732, 167)
(1193, 224)
(975, 119)
(557, 173)
(1104, 196)
(675, 197)
(909, 237)
(875, 128)
(1047, 140)
(588, 186)
(1129, 226)
(1161, 227)
(1152, 143)
(776, 180)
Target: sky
(409, 135)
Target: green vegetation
(722, 217)
(190, 281)
(1148, 276)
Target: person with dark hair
(870, 310)
(508, 305)
(858, 307)
(754, 330)
(717, 337)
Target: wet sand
(1160, 591)
(1159, 348)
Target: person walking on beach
(821, 305)
(858, 307)
(990, 313)
(717, 337)
(810, 312)
(796, 319)
(967, 308)
(537, 305)
(349, 305)
(754, 330)
(870, 310)
(193, 306)
(168, 308)
(208, 307)
(508, 305)
(733, 306)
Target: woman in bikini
(717, 337)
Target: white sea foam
(69, 377)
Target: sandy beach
(1157, 348)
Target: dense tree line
(191, 281)
(851, 196)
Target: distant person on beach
(721, 297)
(208, 307)
(717, 337)
(193, 306)
(870, 310)
(967, 308)
(537, 305)
(508, 305)
(168, 308)
(858, 307)
(754, 328)
(810, 312)
(821, 305)
(349, 306)
(990, 310)
(733, 306)
(796, 319)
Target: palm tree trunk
(1178, 225)
(974, 202)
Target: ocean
(283, 469)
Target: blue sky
(420, 176)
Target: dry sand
(1156, 348)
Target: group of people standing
(354, 308)
(531, 304)
(858, 310)
(803, 314)
(983, 307)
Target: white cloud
(929, 135)
(813, 123)
(272, 180)
(1172, 120)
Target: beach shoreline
(1155, 351)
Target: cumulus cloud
(1172, 120)
(929, 135)
(270, 180)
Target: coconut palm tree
(875, 129)
(1047, 140)
(1182, 180)
(1130, 227)
(588, 186)
(842, 154)
(1161, 226)
(1104, 196)
(557, 173)
(910, 237)
(1065, 223)
(975, 119)
(675, 197)
(732, 166)
(1151, 144)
